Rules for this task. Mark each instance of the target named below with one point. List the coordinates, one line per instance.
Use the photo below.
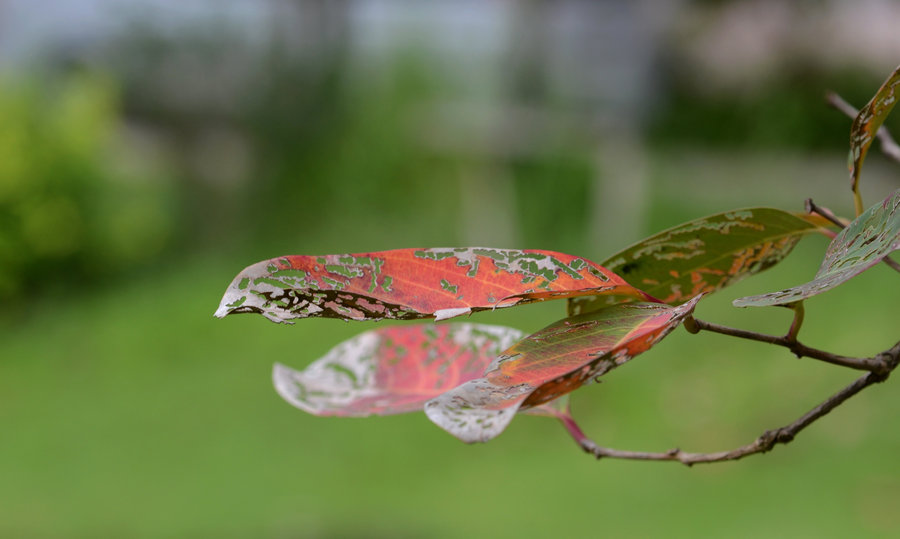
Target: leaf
(393, 370)
(864, 243)
(551, 363)
(413, 283)
(705, 255)
(865, 127)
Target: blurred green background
(150, 150)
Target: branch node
(881, 370)
(766, 441)
(690, 324)
(812, 207)
(783, 437)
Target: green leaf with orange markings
(864, 243)
(396, 369)
(705, 255)
(551, 363)
(865, 127)
(407, 284)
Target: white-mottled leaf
(394, 369)
(865, 242)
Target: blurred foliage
(340, 147)
(264, 145)
(786, 112)
(553, 198)
(326, 140)
(72, 203)
(336, 142)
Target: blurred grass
(130, 412)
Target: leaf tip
(222, 311)
(445, 314)
(463, 413)
(285, 380)
(231, 299)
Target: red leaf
(392, 370)
(550, 363)
(413, 283)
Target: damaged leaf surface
(551, 363)
(393, 370)
(868, 121)
(864, 243)
(413, 283)
(705, 255)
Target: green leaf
(705, 255)
(865, 127)
(551, 363)
(864, 243)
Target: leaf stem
(857, 201)
(799, 313)
(767, 440)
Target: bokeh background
(150, 149)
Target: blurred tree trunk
(488, 186)
(617, 53)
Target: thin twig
(892, 263)
(879, 367)
(764, 443)
(812, 207)
(838, 102)
(889, 146)
(799, 349)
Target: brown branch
(892, 263)
(765, 442)
(799, 349)
(879, 367)
(812, 207)
(889, 146)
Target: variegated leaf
(551, 363)
(394, 369)
(413, 283)
(705, 255)
(866, 125)
(864, 243)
